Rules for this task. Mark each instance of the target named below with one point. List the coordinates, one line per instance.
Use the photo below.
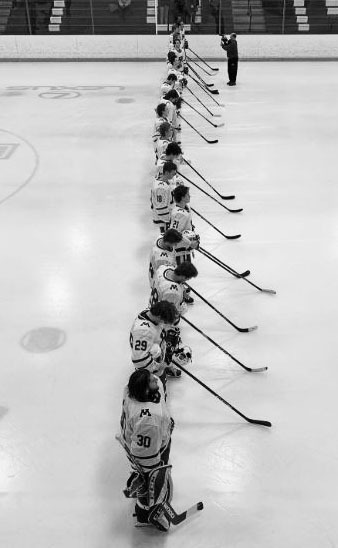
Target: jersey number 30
(143, 441)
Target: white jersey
(180, 218)
(161, 147)
(171, 111)
(167, 290)
(161, 201)
(144, 334)
(158, 257)
(146, 428)
(156, 133)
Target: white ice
(75, 237)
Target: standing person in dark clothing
(230, 46)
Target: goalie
(146, 428)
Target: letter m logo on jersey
(145, 413)
(173, 286)
(164, 254)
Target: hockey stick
(165, 507)
(207, 194)
(199, 76)
(249, 369)
(175, 518)
(202, 115)
(231, 197)
(237, 274)
(207, 91)
(191, 60)
(203, 105)
(252, 421)
(235, 237)
(210, 142)
(203, 61)
(240, 329)
(217, 261)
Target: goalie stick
(171, 515)
(165, 507)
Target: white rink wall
(133, 47)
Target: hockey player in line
(169, 285)
(180, 216)
(173, 153)
(161, 116)
(164, 251)
(166, 135)
(180, 219)
(161, 195)
(147, 339)
(146, 428)
(169, 83)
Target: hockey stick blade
(214, 91)
(232, 197)
(219, 125)
(175, 518)
(249, 329)
(235, 237)
(235, 210)
(271, 291)
(211, 142)
(214, 68)
(261, 423)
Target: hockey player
(169, 284)
(146, 428)
(161, 116)
(169, 83)
(163, 252)
(166, 134)
(180, 217)
(147, 337)
(161, 195)
(173, 153)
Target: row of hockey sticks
(238, 210)
(202, 115)
(206, 85)
(209, 92)
(234, 272)
(201, 103)
(202, 60)
(164, 507)
(199, 66)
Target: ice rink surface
(76, 165)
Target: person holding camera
(230, 46)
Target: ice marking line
(28, 180)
